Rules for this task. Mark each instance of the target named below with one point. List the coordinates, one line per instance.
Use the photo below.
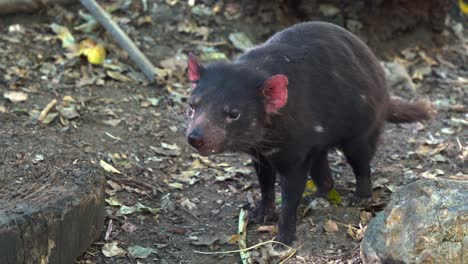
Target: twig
(108, 231)
(207, 43)
(131, 183)
(124, 41)
(47, 109)
(243, 249)
(294, 251)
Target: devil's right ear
(194, 69)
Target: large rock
(424, 222)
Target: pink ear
(275, 91)
(193, 68)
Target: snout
(195, 139)
(205, 143)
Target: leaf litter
(68, 68)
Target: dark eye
(233, 115)
(190, 111)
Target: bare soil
(124, 122)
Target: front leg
(265, 212)
(292, 186)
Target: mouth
(207, 151)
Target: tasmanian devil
(309, 88)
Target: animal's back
(333, 76)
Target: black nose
(195, 139)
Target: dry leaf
(64, 35)
(112, 122)
(118, 76)
(107, 167)
(185, 202)
(140, 252)
(269, 228)
(113, 201)
(95, 53)
(233, 239)
(365, 217)
(170, 146)
(431, 150)
(432, 174)
(356, 233)
(111, 250)
(15, 96)
(330, 226)
(129, 227)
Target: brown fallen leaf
(118, 76)
(356, 233)
(268, 228)
(178, 230)
(330, 226)
(233, 239)
(129, 227)
(431, 150)
(365, 217)
(112, 122)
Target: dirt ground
(112, 114)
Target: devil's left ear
(194, 69)
(275, 91)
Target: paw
(286, 238)
(361, 201)
(263, 214)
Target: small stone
(353, 25)
(319, 203)
(457, 28)
(329, 10)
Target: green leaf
(140, 252)
(334, 197)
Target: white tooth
(212, 151)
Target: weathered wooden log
(27, 6)
(51, 196)
(57, 233)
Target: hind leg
(359, 152)
(321, 175)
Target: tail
(400, 111)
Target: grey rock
(424, 222)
